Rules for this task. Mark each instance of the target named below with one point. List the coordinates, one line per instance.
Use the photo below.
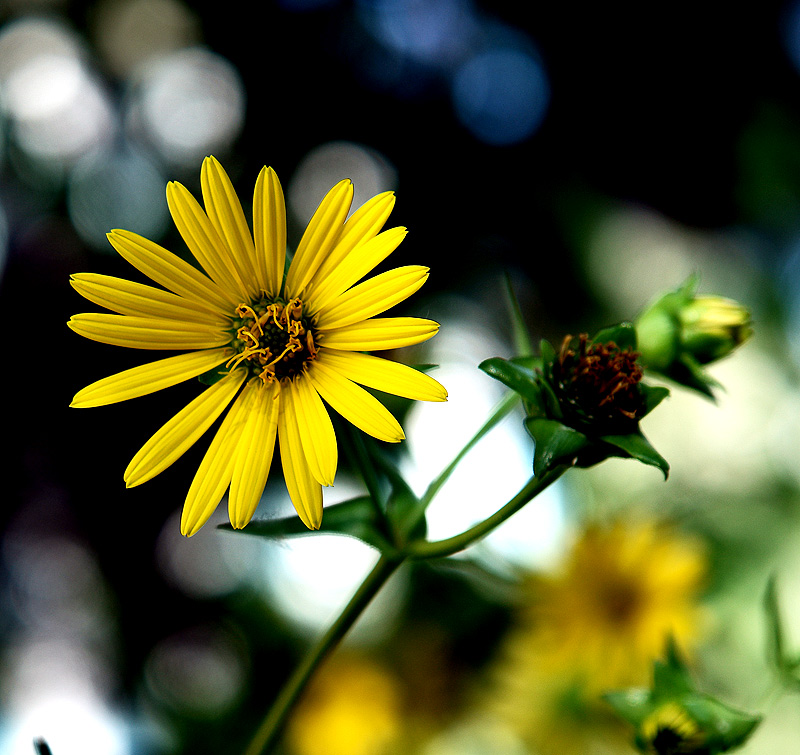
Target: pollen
(273, 339)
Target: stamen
(274, 341)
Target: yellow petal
(148, 378)
(269, 230)
(129, 298)
(178, 435)
(147, 332)
(321, 234)
(215, 471)
(304, 490)
(225, 213)
(316, 429)
(354, 267)
(254, 452)
(372, 297)
(204, 242)
(383, 375)
(380, 334)
(354, 403)
(363, 225)
(171, 271)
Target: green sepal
(354, 518)
(547, 351)
(653, 396)
(555, 444)
(623, 334)
(636, 446)
(214, 375)
(725, 727)
(521, 377)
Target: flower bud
(680, 332)
(712, 327)
(673, 716)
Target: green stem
(500, 412)
(423, 549)
(272, 725)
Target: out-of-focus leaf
(519, 331)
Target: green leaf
(623, 334)
(555, 444)
(636, 446)
(355, 518)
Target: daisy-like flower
(282, 343)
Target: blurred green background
(597, 154)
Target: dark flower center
(273, 339)
(597, 384)
(674, 733)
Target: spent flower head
(681, 332)
(584, 401)
(270, 345)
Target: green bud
(681, 331)
(674, 717)
(712, 327)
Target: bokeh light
(326, 165)
(57, 107)
(501, 95)
(187, 104)
(128, 33)
(199, 671)
(119, 189)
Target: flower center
(670, 731)
(598, 383)
(273, 339)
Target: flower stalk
(272, 726)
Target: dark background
(692, 111)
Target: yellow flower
(282, 342)
(607, 614)
(353, 707)
(593, 625)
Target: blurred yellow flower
(352, 708)
(607, 613)
(279, 343)
(595, 624)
